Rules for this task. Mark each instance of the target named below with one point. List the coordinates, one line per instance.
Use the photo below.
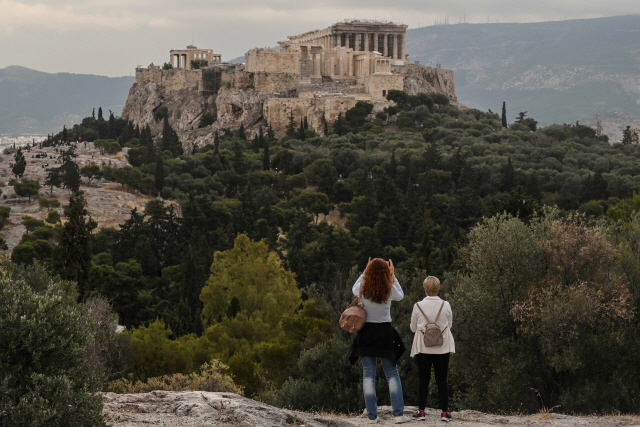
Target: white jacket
(430, 306)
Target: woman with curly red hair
(377, 338)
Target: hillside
(33, 102)
(559, 72)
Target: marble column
(385, 48)
(366, 42)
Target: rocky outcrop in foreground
(199, 409)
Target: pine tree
(504, 115)
(53, 178)
(70, 170)
(74, 252)
(159, 176)
(100, 114)
(19, 164)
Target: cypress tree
(306, 123)
(170, 140)
(270, 133)
(74, 252)
(65, 136)
(291, 127)
(159, 176)
(504, 115)
(301, 134)
(241, 133)
(100, 114)
(266, 161)
(326, 125)
(216, 143)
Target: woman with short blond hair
(439, 312)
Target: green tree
(74, 251)
(48, 204)
(323, 174)
(91, 172)
(100, 117)
(241, 132)
(19, 164)
(5, 211)
(69, 170)
(26, 188)
(170, 140)
(53, 178)
(266, 161)
(53, 217)
(31, 223)
(46, 378)
(291, 126)
(504, 115)
(159, 174)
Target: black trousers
(440, 364)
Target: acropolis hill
(316, 75)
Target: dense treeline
(249, 254)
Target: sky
(112, 37)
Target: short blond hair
(431, 286)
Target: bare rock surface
(198, 409)
(107, 201)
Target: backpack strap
(425, 316)
(439, 311)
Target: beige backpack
(432, 334)
(354, 317)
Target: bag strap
(425, 316)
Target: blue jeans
(369, 386)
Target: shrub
(45, 377)
(212, 377)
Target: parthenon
(344, 50)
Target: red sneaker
(418, 416)
(446, 416)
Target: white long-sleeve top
(379, 313)
(430, 306)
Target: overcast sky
(112, 37)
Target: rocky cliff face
(234, 97)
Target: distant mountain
(33, 102)
(559, 72)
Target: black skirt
(377, 340)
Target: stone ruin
(316, 75)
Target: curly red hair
(377, 281)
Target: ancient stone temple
(183, 58)
(315, 76)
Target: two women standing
(378, 339)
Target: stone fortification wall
(272, 61)
(420, 78)
(278, 110)
(261, 82)
(379, 85)
(170, 80)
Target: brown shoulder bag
(432, 334)
(354, 317)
